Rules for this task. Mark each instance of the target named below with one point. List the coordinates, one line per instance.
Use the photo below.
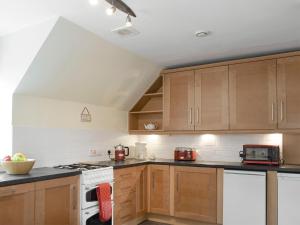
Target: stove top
(80, 166)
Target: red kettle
(121, 152)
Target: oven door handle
(88, 188)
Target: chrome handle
(153, 185)
(74, 189)
(273, 111)
(198, 115)
(191, 115)
(281, 110)
(7, 193)
(177, 182)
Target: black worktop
(210, 164)
(37, 174)
(48, 173)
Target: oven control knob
(87, 213)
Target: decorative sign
(86, 116)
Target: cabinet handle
(7, 193)
(281, 110)
(273, 111)
(177, 182)
(153, 185)
(191, 116)
(74, 190)
(197, 115)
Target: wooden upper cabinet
(57, 202)
(179, 101)
(252, 94)
(196, 193)
(211, 99)
(159, 186)
(288, 83)
(17, 205)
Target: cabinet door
(252, 94)
(17, 205)
(159, 189)
(195, 193)
(57, 202)
(288, 84)
(179, 101)
(211, 99)
(141, 191)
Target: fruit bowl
(18, 167)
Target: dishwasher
(244, 198)
(288, 199)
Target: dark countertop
(37, 174)
(48, 173)
(211, 164)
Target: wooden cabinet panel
(288, 83)
(141, 191)
(211, 99)
(195, 193)
(159, 187)
(56, 202)
(179, 101)
(17, 205)
(252, 94)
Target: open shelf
(149, 109)
(158, 94)
(147, 112)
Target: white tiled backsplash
(209, 147)
(53, 146)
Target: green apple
(19, 157)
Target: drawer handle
(7, 193)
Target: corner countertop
(211, 164)
(36, 174)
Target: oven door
(91, 217)
(89, 196)
(257, 154)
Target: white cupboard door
(244, 198)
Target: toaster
(185, 154)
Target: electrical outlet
(93, 152)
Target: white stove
(92, 175)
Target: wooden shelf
(147, 112)
(146, 131)
(158, 94)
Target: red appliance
(261, 154)
(121, 152)
(185, 154)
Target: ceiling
(238, 27)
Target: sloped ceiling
(76, 65)
(18, 50)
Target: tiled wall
(209, 147)
(54, 146)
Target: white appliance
(244, 198)
(288, 199)
(92, 175)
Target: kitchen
(139, 129)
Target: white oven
(89, 195)
(90, 216)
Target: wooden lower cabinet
(17, 205)
(56, 202)
(159, 187)
(195, 193)
(130, 195)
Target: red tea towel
(104, 199)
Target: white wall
(209, 147)
(50, 130)
(17, 51)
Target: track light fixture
(128, 21)
(110, 11)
